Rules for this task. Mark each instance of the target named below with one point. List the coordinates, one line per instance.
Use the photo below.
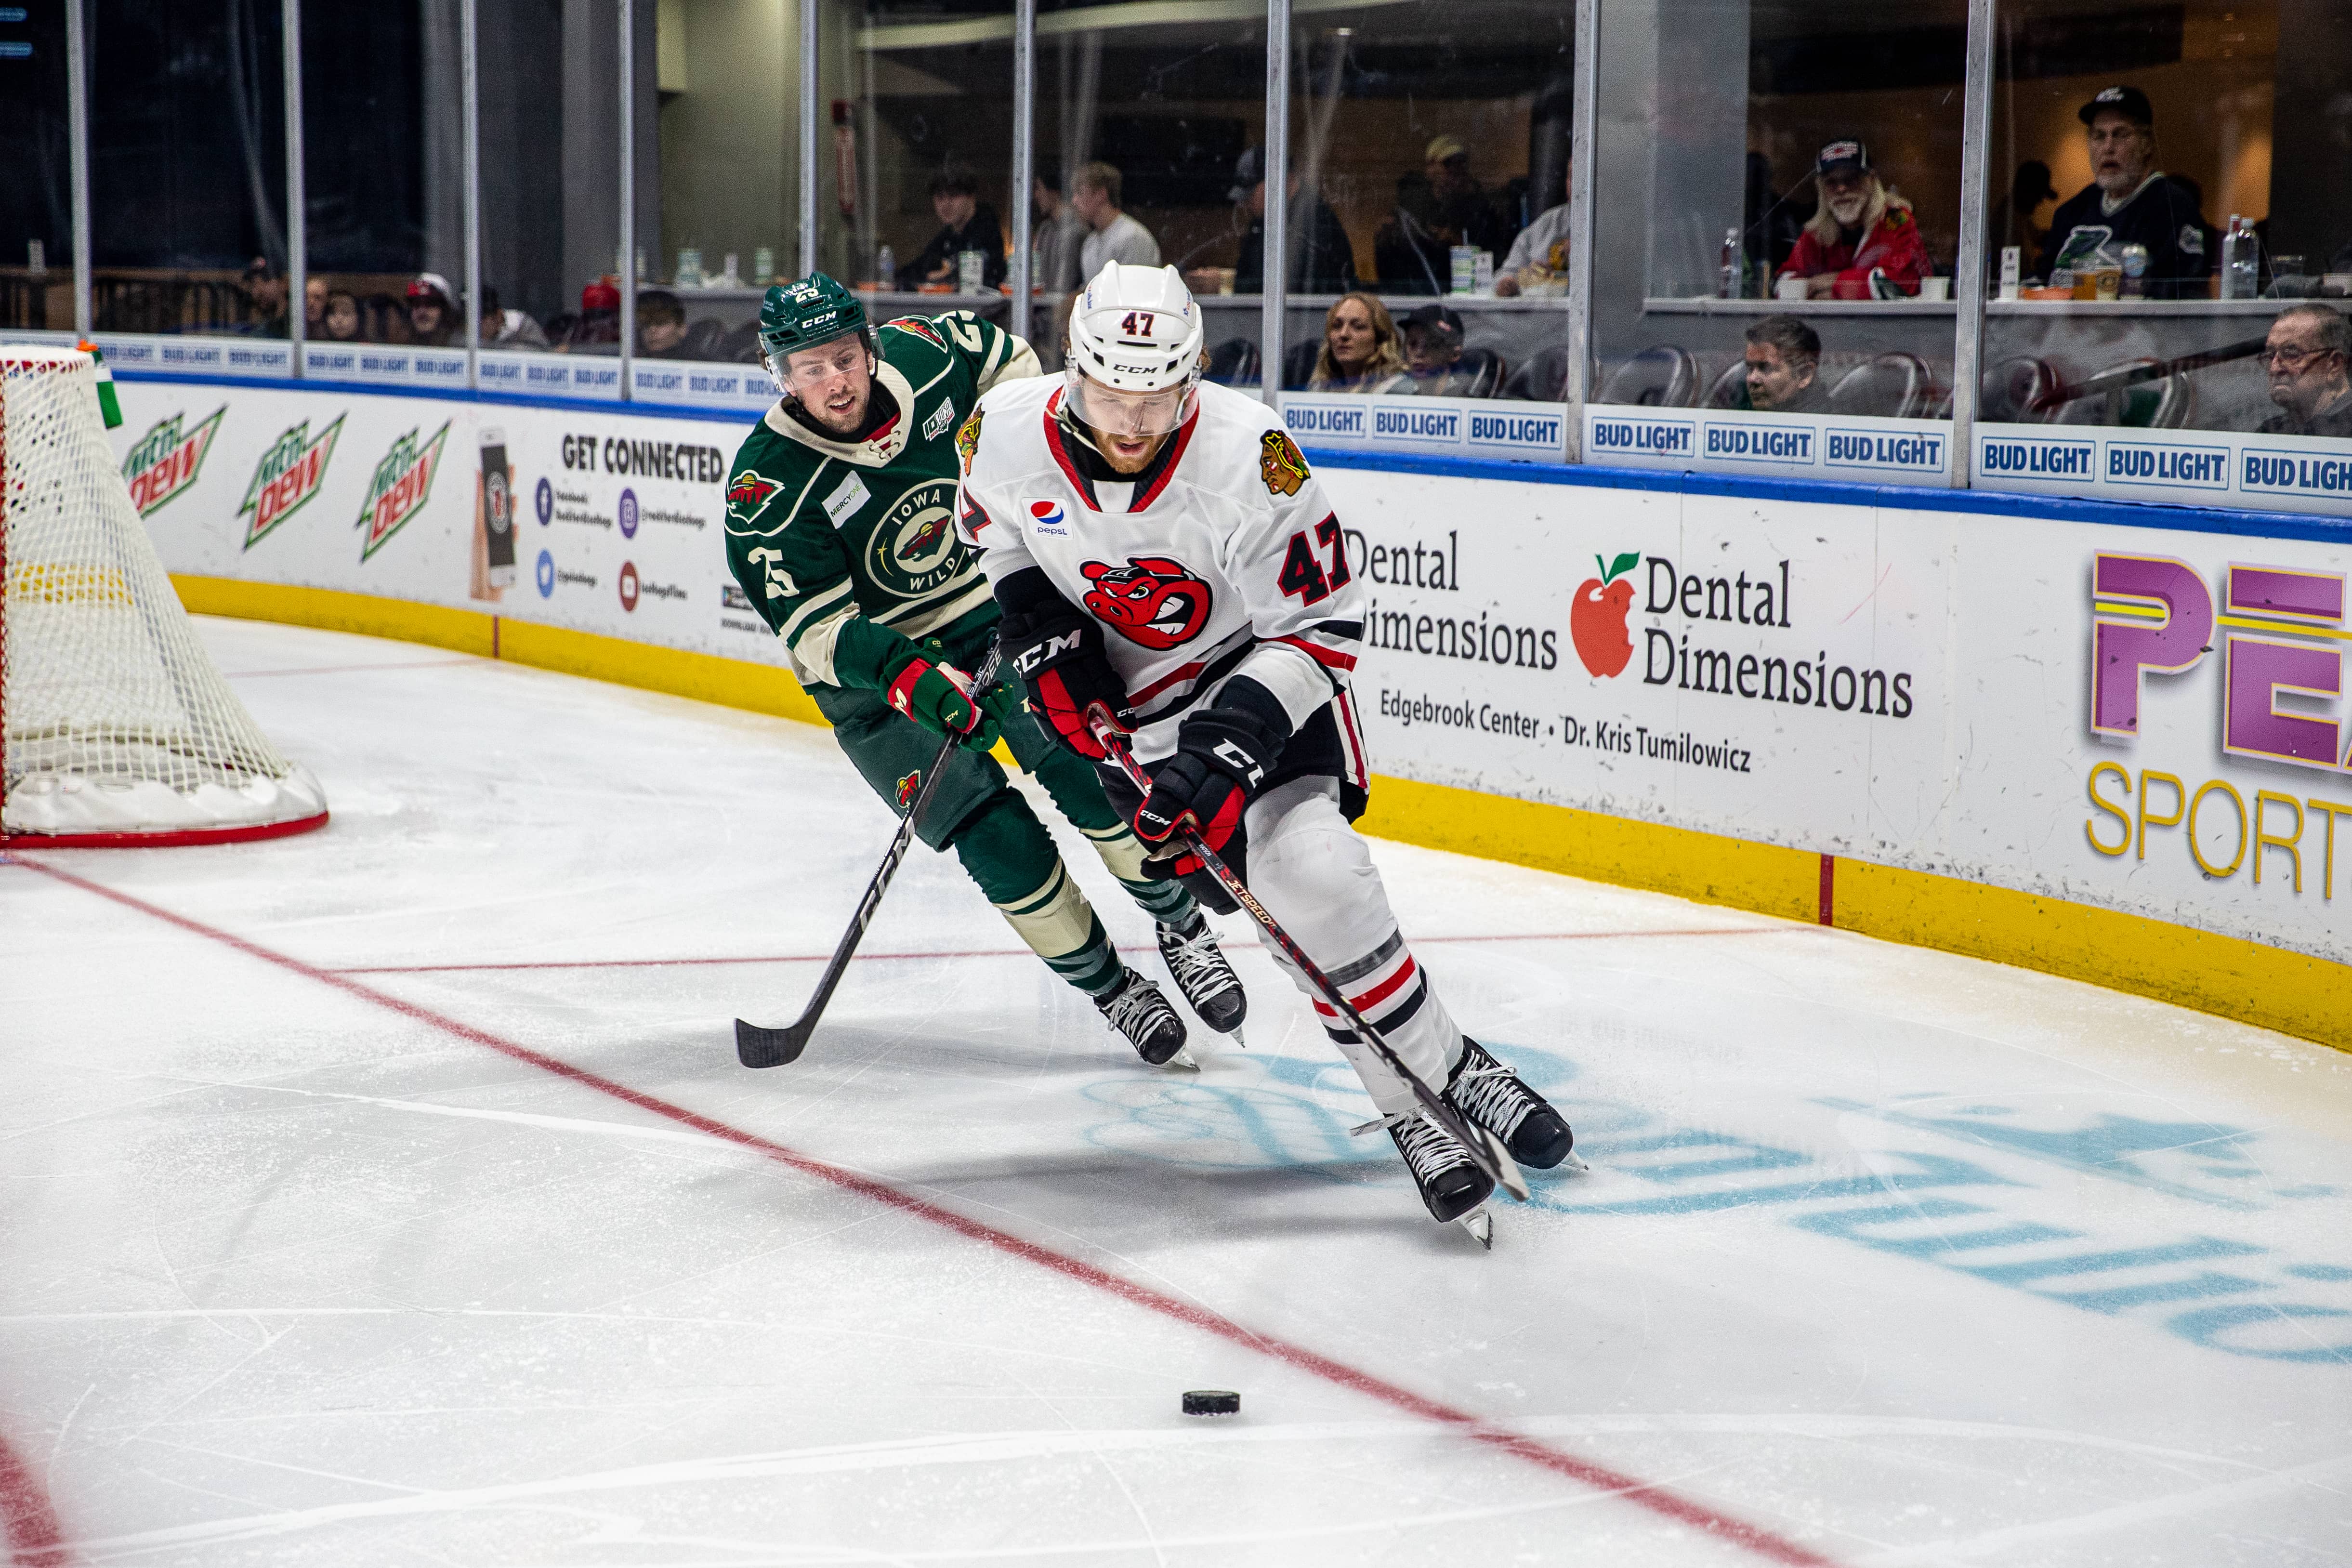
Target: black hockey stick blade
(756, 1045)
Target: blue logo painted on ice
(628, 513)
(543, 502)
(544, 574)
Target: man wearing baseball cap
(1444, 208)
(1861, 242)
(1322, 258)
(2130, 201)
(432, 318)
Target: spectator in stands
(1056, 235)
(508, 329)
(1538, 260)
(2306, 355)
(314, 306)
(432, 320)
(2130, 201)
(966, 222)
(339, 321)
(661, 325)
(387, 320)
(1784, 363)
(1435, 363)
(1863, 232)
(1322, 258)
(1116, 236)
(1360, 351)
(1436, 210)
(265, 294)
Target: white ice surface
(1897, 1255)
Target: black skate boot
(1135, 1008)
(1450, 1184)
(1203, 974)
(1489, 1095)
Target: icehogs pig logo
(1281, 464)
(1151, 600)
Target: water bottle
(2239, 260)
(1726, 280)
(886, 267)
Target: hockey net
(115, 728)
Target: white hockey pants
(1315, 874)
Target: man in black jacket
(1322, 258)
(967, 223)
(2130, 201)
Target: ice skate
(1203, 974)
(1451, 1186)
(1135, 1008)
(1490, 1095)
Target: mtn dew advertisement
(604, 523)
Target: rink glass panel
(1171, 105)
(1375, 90)
(2250, 116)
(37, 203)
(187, 168)
(1711, 116)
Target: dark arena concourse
(1175, 783)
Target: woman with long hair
(1360, 351)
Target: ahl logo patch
(749, 493)
(164, 463)
(938, 419)
(1281, 464)
(403, 482)
(1152, 601)
(287, 477)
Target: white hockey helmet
(1134, 362)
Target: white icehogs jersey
(1229, 558)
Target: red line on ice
(27, 1521)
(1646, 1495)
(991, 952)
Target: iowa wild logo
(398, 491)
(1151, 600)
(166, 461)
(287, 477)
(914, 548)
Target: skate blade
(1182, 1061)
(1574, 1164)
(1479, 1222)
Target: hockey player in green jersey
(840, 527)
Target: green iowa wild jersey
(820, 532)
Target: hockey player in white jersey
(1159, 547)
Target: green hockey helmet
(801, 315)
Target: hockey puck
(1212, 1401)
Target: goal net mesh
(115, 720)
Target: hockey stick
(756, 1046)
(1486, 1151)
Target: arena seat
(1661, 377)
(1887, 386)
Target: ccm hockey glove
(938, 697)
(1058, 650)
(1223, 754)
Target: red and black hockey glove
(1223, 754)
(1058, 649)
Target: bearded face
(1848, 196)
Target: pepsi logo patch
(1047, 517)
